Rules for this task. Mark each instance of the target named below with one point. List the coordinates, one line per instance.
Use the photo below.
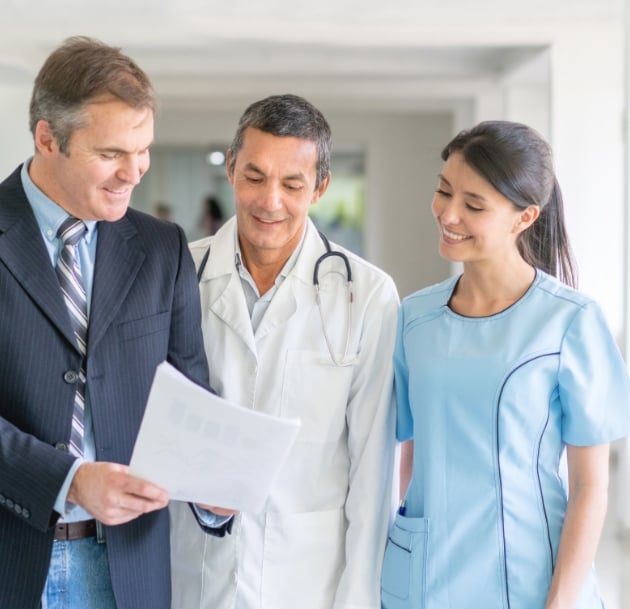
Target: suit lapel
(23, 252)
(118, 260)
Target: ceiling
(204, 53)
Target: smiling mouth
(268, 221)
(118, 192)
(454, 236)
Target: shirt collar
(284, 272)
(48, 214)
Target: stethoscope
(329, 253)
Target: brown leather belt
(67, 531)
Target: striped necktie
(71, 282)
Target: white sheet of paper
(204, 449)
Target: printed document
(204, 449)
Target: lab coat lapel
(288, 298)
(282, 306)
(231, 308)
(229, 304)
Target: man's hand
(112, 495)
(218, 511)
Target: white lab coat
(319, 542)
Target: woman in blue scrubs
(511, 387)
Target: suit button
(26, 513)
(71, 377)
(17, 508)
(9, 503)
(3, 499)
(61, 446)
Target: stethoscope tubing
(329, 253)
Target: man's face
(274, 181)
(104, 160)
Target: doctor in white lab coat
(319, 542)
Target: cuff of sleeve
(62, 505)
(209, 519)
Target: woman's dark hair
(518, 163)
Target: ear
(526, 218)
(321, 189)
(45, 140)
(228, 166)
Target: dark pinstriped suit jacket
(145, 309)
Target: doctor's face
(274, 181)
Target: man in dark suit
(75, 526)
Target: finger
(140, 504)
(145, 490)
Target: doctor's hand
(112, 495)
(217, 511)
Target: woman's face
(476, 222)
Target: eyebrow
(114, 149)
(472, 195)
(253, 167)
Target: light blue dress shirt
(49, 217)
(257, 305)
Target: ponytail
(545, 244)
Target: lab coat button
(71, 377)
(235, 577)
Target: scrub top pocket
(404, 565)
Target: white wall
(16, 143)
(587, 134)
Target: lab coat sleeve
(371, 442)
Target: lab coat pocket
(404, 565)
(303, 559)
(316, 391)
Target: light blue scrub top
(490, 403)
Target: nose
(270, 197)
(132, 168)
(445, 210)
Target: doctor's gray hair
(517, 162)
(81, 71)
(287, 115)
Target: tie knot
(71, 230)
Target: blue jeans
(78, 577)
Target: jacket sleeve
(185, 350)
